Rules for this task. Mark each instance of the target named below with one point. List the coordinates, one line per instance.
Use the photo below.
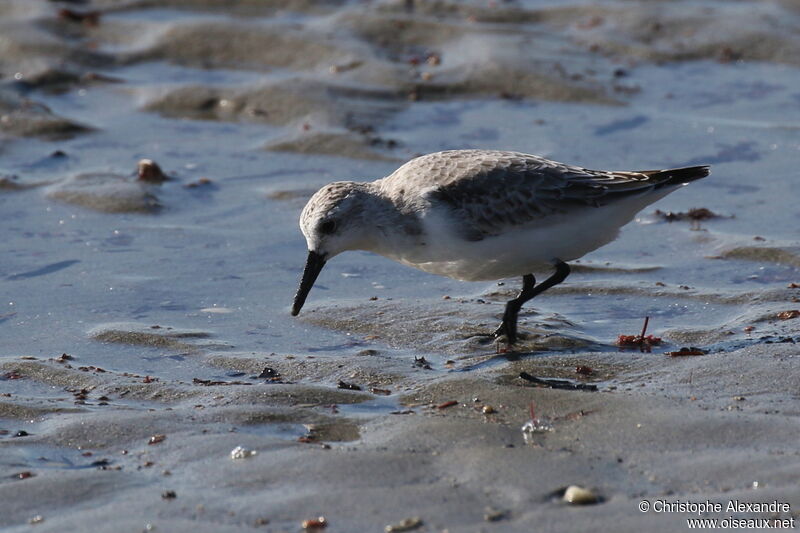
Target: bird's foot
(510, 333)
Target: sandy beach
(152, 379)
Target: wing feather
(494, 190)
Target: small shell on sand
(579, 496)
(315, 523)
(407, 524)
(149, 171)
(242, 453)
(533, 427)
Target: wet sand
(670, 429)
(383, 404)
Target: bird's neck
(394, 226)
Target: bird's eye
(327, 227)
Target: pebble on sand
(149, 171)
(315, 523)
(242, 453)
(579, 496)
(407, 524)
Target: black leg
(529, 289)
(509, 325)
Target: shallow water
(72, 269)
(260, 115)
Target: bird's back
(452, 167)
(493, 191)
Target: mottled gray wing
(514, 189)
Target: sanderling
(478, 215)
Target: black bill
(314, 265)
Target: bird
(480, 215)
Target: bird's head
(334, 220)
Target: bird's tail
(676, 176)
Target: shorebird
(478, 215)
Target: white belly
(531, 248)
